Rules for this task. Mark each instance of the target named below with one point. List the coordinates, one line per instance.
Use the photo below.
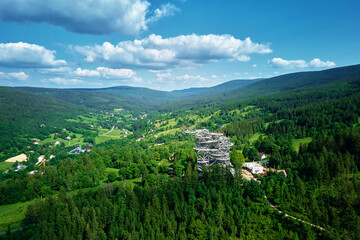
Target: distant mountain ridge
(144, 99)
(132, 98)
(273, 85)
(223, 87)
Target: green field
(296, 142)
(115, 134)
(171, 123)
(79, 138)
(5, 166)
(13, 214)
(167, 132)
(254, 137)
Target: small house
(262, 155)
(254, 167)
(19, 167)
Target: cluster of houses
(254, 167)
(132, 118)
(258, 168)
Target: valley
(138, 164)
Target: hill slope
(272, 85)
(132, 98)
(22, 113)
(208, 91)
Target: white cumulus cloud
(164, 11)
(27, 55)
(86, 16)
(296, 64)
(163, 75)
(120, 73)
(137, 79)
(320, 64)
(64, 81)
(155, 52)
(86, 73)
(187, 77)
(105, 72)
(14, 75)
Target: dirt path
(75, 143)
(297, 219)
(12, 230)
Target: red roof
(261, 154)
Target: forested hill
(224, 87)
(132, 98)
(272, 85)
(22, 113)
(144, 99)
(107, 98)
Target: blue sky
(171, 45)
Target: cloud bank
(64, 81)
(105, 72)
(14, 75)
(27, 56)
(298, 64)
(90, 16)
(155, 52)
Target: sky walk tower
(211, 148)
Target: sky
(171, 44)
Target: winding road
(108, 131)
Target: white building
(254, 167)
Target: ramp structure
(211, 148)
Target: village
(212, 148)
(100, 127)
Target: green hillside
(22, 114)
(132, 98)
(270, 86)
(105, 99)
